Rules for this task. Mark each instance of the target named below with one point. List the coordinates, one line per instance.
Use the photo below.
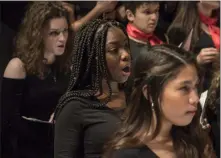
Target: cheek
(172, 104)
(49, 43)
(112, 63)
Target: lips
(61, 46)
(126, 70)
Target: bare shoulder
(15, 69)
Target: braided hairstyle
(89, 66)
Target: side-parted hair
(156, 66)
(29, 40)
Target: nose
(154, 16)
(194, 98)
(61, 37)
(125, 55)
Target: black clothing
(32, 98)
(205, 41)
(135, 49)
(81, 130)
(139, 152)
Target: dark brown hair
(187, 18)
(155, 67)
(29, 41)
(133, 5)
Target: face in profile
(145, 17)
(210, 4)
(55, 36)
(118, 55)
(179, 99)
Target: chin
(183, 123)
(58, 53)
(123, 80)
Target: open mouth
(61, 46)
(126, 69)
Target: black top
(135, 48)
(205, 41)
(138, 152)
(81, 130)
(33, 98)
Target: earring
(45, 61)
(152, 106)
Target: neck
(164, 133)
(207, 11)
(50, 57)
(117, 98)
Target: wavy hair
(29, 40)
(155, 67)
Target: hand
(207, 55)
(106, 6)
(68, 6)
(51, 118)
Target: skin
(117, 55)
(145, 17)
(207, 55)
(180, 95)
(55, 38)
(178, 104)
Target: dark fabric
(135, 48)
(81, 131)
(213, 117)
(205, 41)
(139, 152)
(35, 98)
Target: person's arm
(100, 8)
(11, 100)
(68, 131)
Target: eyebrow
(58, 29)
(188, 82)
(116, 41)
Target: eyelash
(148, 12)
(56, 33)
(187, 89)
(116, 49)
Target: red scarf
(139, 35)
(213, 29)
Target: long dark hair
(187, 18)
(155, 67)
(89, 66)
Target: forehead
(57, 23)
(149, 6)
(115, 34)
(186, 73)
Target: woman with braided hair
(86, 116)
(34, 80)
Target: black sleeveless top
(31, 97)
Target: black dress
(31, 98)
(81, 130)
(139, 152)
